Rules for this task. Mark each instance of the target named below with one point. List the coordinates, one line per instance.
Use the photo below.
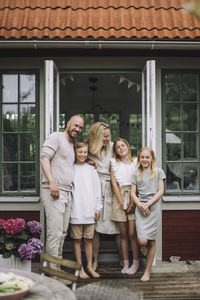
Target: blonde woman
(100, 151)
(146, 190)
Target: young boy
(86, 207)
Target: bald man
(57, 159)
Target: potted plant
(19, 242)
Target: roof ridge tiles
(92, 7)
(99, 28)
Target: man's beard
(70, 135)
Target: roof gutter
(87, 44)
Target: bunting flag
(130, 83)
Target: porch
(168, 280)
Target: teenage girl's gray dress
(147, 187)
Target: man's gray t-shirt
(60, 152)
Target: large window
(19, 134)
(181, 92)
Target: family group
(98, 187)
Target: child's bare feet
(93, 273)
(95, 265)
(145, 277)
(83, 275)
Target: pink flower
(13, 226)
(2, 222)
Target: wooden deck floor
(168, 281)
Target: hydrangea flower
(13, 226)
(25, 252)
(2, 222)
(35, 227)
(36, 245)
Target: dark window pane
(172, 87)
(27, 88)
(10, 147)
(191, 176)
(173, 174)
(27, 177)
(191, 142)
(173, 117)
(10, 176)
(10, 88)
(190, 87)
(10, 118)
(27, 147)
(27, 117)
(173, 146)
(190, 121)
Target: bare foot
(83, 275)
(145, 277)
(95, 265)
(93, 273)
(143, 250)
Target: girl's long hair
(153, 170)
(116, 156)
(95, 138)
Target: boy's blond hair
(153, 171)
(95, 138)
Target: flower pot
(15, 263)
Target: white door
(51, 97)
(149, 105)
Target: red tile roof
(131, 19)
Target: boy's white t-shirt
(86, 195)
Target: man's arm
(46, 168)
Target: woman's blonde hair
(116, 156)
(95, 138)
(153, 171)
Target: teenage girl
(122, 169)
(146, 191)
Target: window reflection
(10, 118)
(10, 88)
(10, 175)
(191, 177)
(27, 117)
(27, 88)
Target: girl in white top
(86, 207)
(122, 169)
(146, 190)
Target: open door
(51, 97)
(149, 105)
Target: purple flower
(36, 245)
(26, 252)
(35, 227)
(21, 220)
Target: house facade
(136, 67)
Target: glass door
(51, 97)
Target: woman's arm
(115, 187)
